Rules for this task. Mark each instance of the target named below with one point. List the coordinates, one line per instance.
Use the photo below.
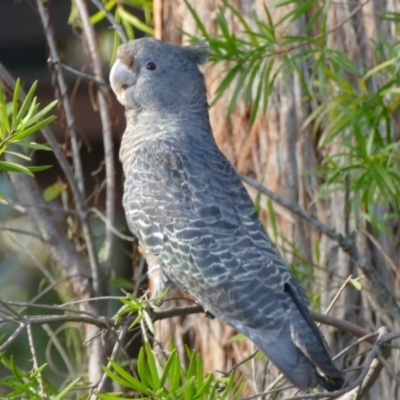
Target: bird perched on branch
(194, 218)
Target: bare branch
(87, 232)
(51, 41)
(106, 323)
(372, 373)
(80, 74)
(100, 386)
(35, 360)
(339, 292)
(14, 336)
(102, 94)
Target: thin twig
(53, 339)
(340, 324)
(22, 209)
(60, 307)
(80, 74)
(35, 360)
(99, 387)
(14, 336)
(347, 204)
(110, 226)
(18, 317)
(370, 337)
(112, 20)
(389, 369)
(339, 292)
(237, 365)
(30, 254)
(384, 253)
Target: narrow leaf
(23, 134)
(25, 105)
(12, 167)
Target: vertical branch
(44, 16)
(94, 56)
(87, 232)
(34, 359)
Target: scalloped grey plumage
(191, 212)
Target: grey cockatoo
(194, 218)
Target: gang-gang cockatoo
(194, 218)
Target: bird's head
(151, 75)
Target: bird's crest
(198, 52)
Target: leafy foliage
(140, 308)
(31, 384)
(17, 123)
(354, 106)
(124, 13)
(171, 380)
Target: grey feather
(190, 210)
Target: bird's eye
(151, 66)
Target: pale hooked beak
(121, 78)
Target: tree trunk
(279, 151)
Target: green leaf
(116, 396)
(15, 100)
(12, 167)
(244, 23)
(25, 106)
(151, 362)
(125, 378)
(192, 363)
(33, 129)
(167, 368)
(237, 338)
(175, 375)
(184, 387)
(123, 283)
(53, 191)
(356, 283)
(32, 145)
(38, 168)
(39, 115)
(5, 124)
(255, 106)
(230, 76)
(16, 154)
(378, 68)
(272, 218)
(143, 371)
(198, 21)
(69, 387)
(239, 88)
(134, 21)
(100, 15)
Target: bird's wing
(191, 211)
